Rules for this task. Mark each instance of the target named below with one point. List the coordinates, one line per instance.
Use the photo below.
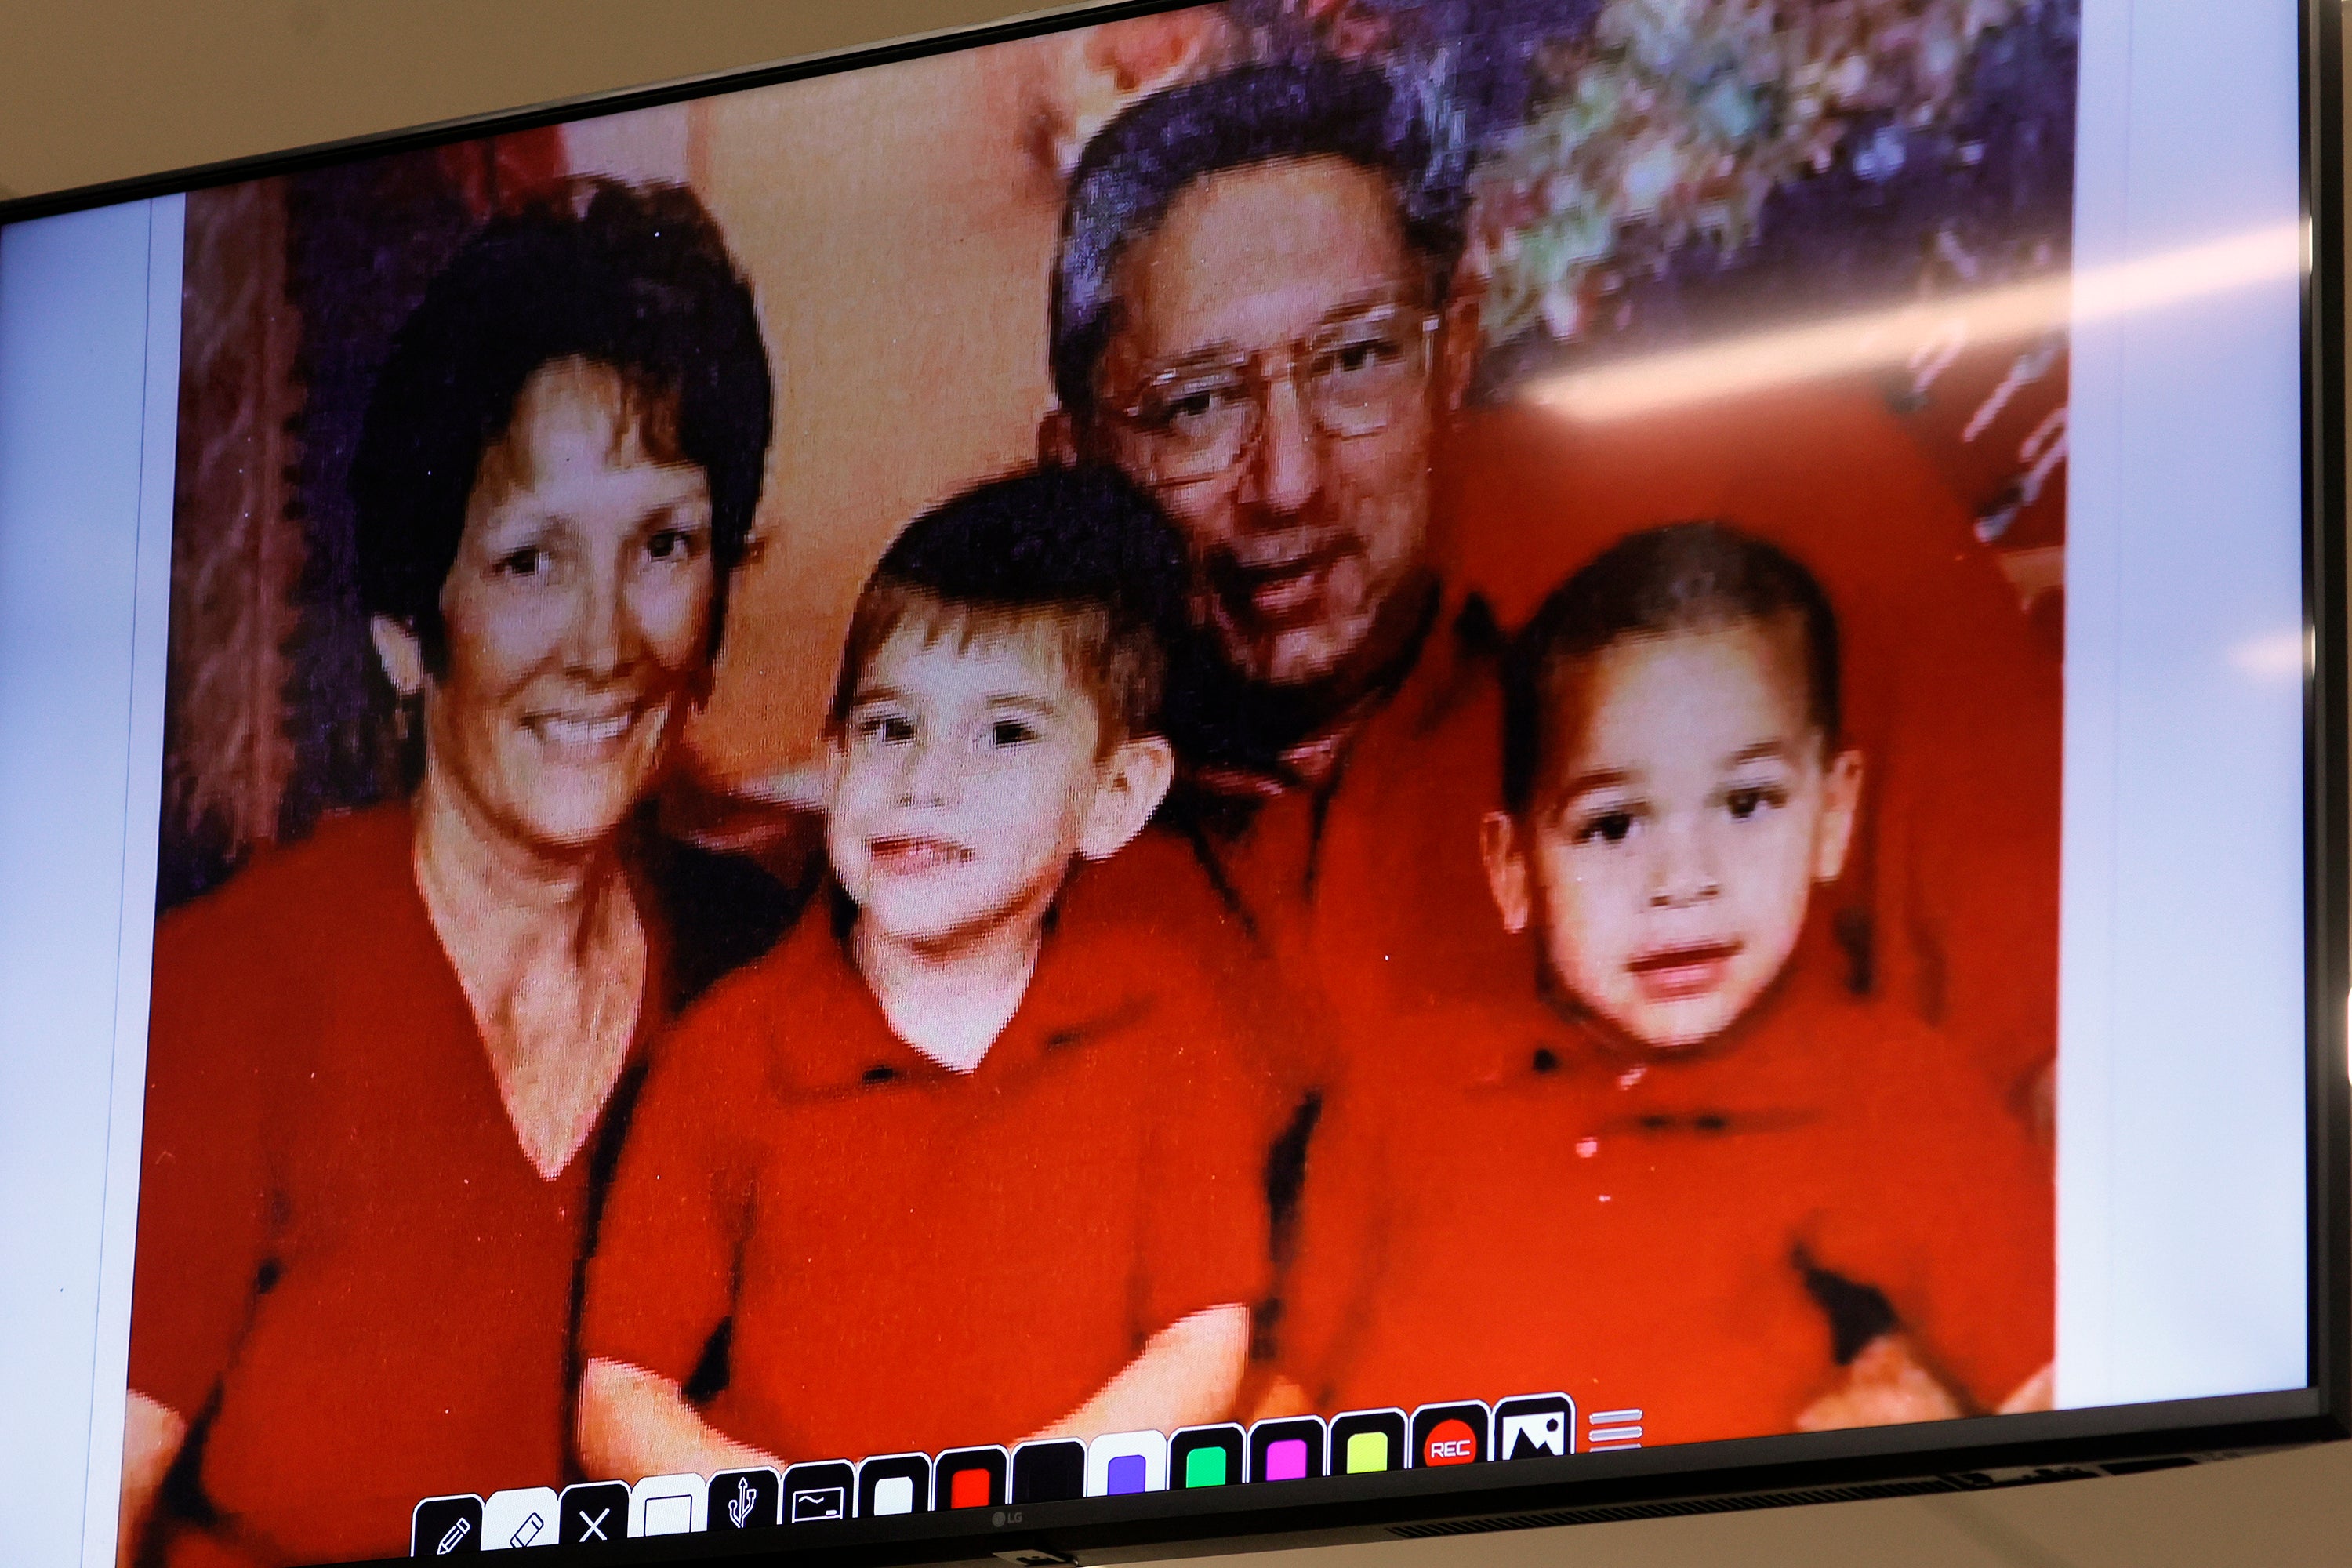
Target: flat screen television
(1164, 779)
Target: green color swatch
(1204, 1468)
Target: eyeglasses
(1354, 377)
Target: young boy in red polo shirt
(1691, 1179)
(962, 1165)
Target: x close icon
(595, 1510)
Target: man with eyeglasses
(1252, 315)
(1255, 315)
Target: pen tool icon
(457, 1533)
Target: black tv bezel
(1967, 1454)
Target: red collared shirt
(1512, 1205)
(913, 1258)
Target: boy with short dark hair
(1693, 1178)
(961, 1166)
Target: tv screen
(1175, 778)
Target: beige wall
(898, 234)
(103, 89)
(96, 89)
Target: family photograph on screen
(1327, 732)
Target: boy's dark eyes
(673, 543)
(1009, 732)
(528, 562)
(1607, 827)
(1744, 803)
(886, 727)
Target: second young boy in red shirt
(1691, 1179)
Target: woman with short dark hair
(387, 1067)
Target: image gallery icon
(523, 1517)
(445, 1527)
(667, 1505)
(593, 1512)
(744, 1500)
(1534, 1426)
(819, 1492)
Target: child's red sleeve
(1966, 857)
(1204, 1221)
(1954, 1221)
(662, 1277)
(204, 1188)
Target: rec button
(1449, 1435)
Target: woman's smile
(589, 735)
(578, 615)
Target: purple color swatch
(1126, 1474)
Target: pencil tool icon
(454, 1536)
